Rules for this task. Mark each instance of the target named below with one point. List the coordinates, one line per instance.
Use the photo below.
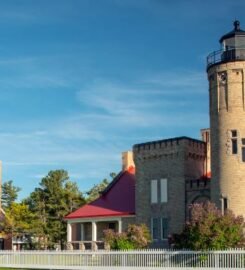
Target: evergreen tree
(96, 190)
(51, 202)
(9, 194)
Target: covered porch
(88, 234)
(114, 209)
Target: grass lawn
(2, 268)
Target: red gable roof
(118, 199)
(206, 176)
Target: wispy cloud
(31, 73)
(47, 149)
(12, 62)
(188, 81)
(133, 106)
(39, 13)
(28, 163)
(110, 111)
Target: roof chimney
(127, 160)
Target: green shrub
(135, 237)
(208, 228)
(124, 244)
(138, 235)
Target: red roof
(207, 175)
(118, 199)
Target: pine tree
(51, 202)
(9, 194)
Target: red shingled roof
(208, 175)
(118, 199)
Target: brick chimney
(127, 160)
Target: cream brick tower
(226, 71)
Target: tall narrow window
(154, 228)
(154, 191)
(164, 226)
(243, 149)
(234, 141)
(164, 190)
(224, 204)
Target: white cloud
(188, 81)
(27, 163)
(113, 117)
(132, 106)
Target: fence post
(216, 260)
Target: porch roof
(118, 199)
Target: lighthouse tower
(226, 72)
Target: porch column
(69, 232)
(119, 225)
(94, 231)
(82, 231)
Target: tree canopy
(18, 219)
(55, 197)
(209, 228)
(42, 213)
(96, 190)
(9, 194)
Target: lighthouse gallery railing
(227, 55)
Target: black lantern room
(232, 47)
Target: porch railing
(140, 259)
(87, 245)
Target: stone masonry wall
(126, 221)
(197, 191)
(176, 160)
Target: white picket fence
(128, 260)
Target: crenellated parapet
(197, 184)
(170, 148)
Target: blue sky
(83, 80)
